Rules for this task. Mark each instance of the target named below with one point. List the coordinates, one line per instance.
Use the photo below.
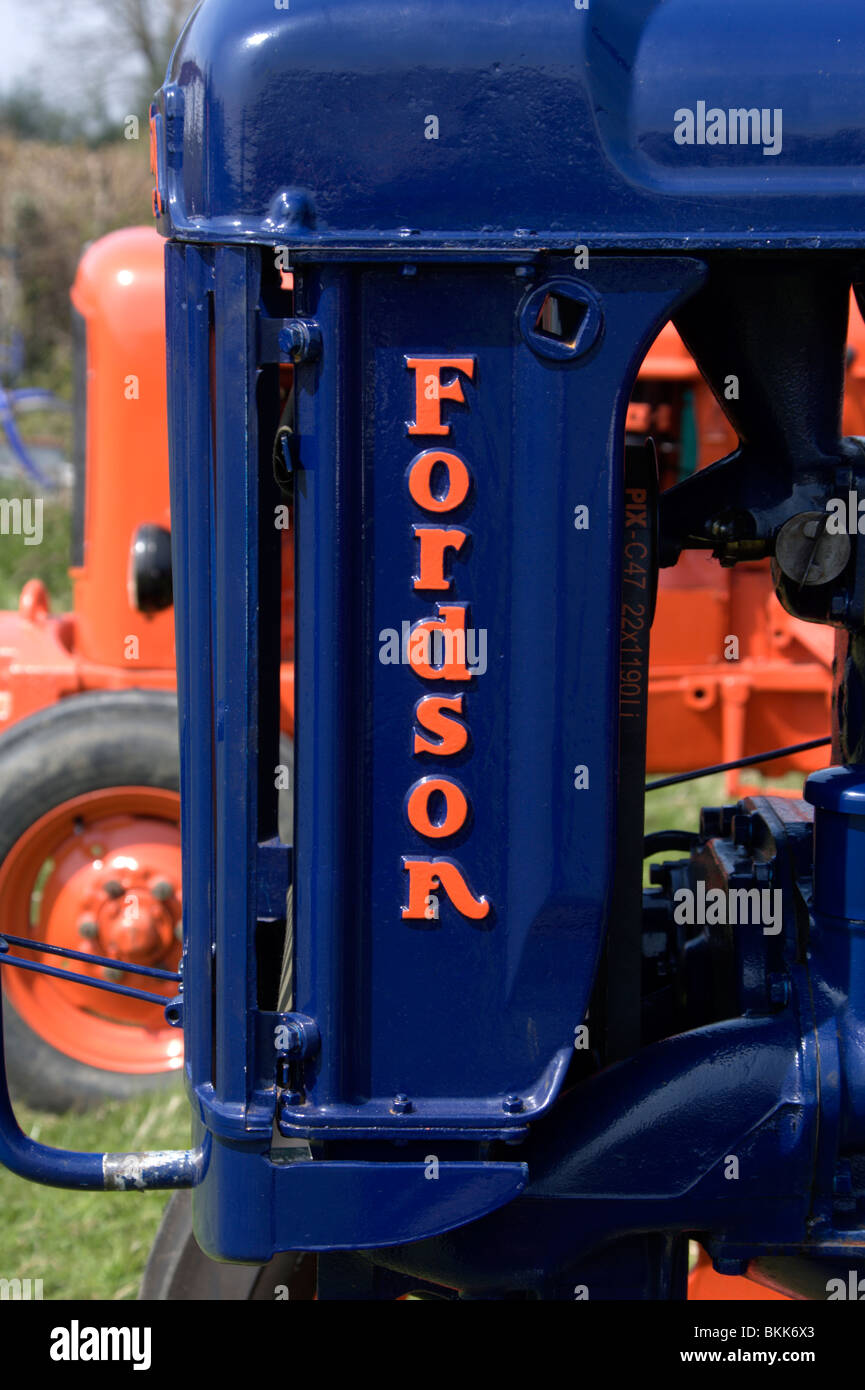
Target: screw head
(512, 1105)
(162, 889)
(88, 929)
(401, 1105)
(113, 887)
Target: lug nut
(88, 929)
(512, 1105)
(113, 887)
(162, 889)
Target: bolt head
(401, 1105)
(512, 1105)
(109, 973)
(113, 887)
(88, 929)
(162, 890)
(178, 929)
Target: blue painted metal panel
(402, 1004)
(280, 1204)
(555, 124)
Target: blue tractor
(445, 1040)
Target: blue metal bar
(94, 1171)
(151, 971)
(16, 443)
(235, 662)
(189, 278)
(325, 692)
(39, 969)
(37, 395)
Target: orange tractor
(89, 840)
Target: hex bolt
(300, 340)
(162, 889)
(113, 887)
(292, 1098)
(512, 1105)
(401, 1105)
(88, 929)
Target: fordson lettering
(437, 807)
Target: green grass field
(89, 1245)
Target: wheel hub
(100, 874)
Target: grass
(89, 1245)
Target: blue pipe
(92, 1171)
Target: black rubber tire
(178, 1270)
(85, 743)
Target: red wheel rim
(99, 873)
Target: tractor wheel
(178, 1269)
(90, 859)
